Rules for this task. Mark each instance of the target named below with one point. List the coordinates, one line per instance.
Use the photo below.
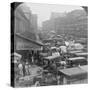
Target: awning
(84, 67)
(73, 71)
(23, 42)
(81, 54)
(76, 58)
(52, 57)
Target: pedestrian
(20, 67)
(27, 68)
(58, 80)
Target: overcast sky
(44, 10)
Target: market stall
(82, 54)
(73, 75)
(76, 61)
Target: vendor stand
(76, 61)
(51, 59)
(74, 75)
(84, 54)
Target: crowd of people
(23, 65)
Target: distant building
(49, 25)
(56, 15)
(74, 23)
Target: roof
(29, 35)
(28, 38)
(73, 71)
(84, 67)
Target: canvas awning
(76, 58)
(70, 72)
(79, 51)
(23, 42)
(81, 54)
(52, 57)
(84, 67)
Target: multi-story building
(24, 19)
(74, 22)
(24, 34)
(57, 15)
(34, 21)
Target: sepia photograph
(49, 44)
